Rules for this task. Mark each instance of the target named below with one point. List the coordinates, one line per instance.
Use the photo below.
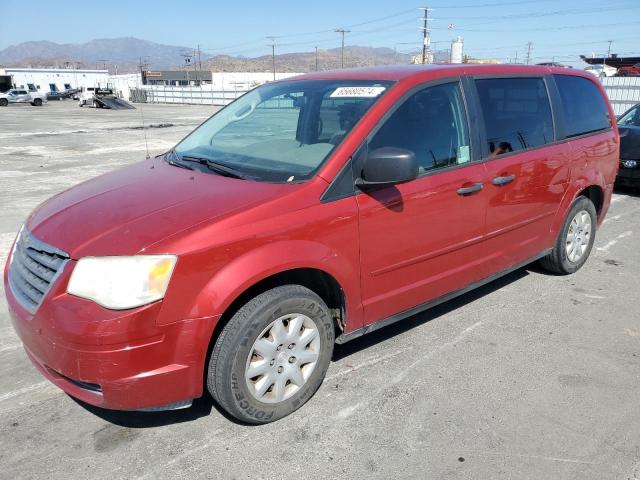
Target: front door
(423, 239)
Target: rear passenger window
(432, 124)
(584, 108)
(517, 114)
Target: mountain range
(124, 54)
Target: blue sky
(491, 28)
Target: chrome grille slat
(45, 273)
(43, 259)
(33, 294)
(33, 280)
(34, 267)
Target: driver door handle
(503, 180)
(464, 191)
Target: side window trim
(556, 109)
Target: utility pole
(609, 49)
(142, 65)
(273, 55)
(199, 59)
(316, 59)
(516, 60)
(195, 65)
(529, 46)
(342, 31)
(426, 38)
(187, 62)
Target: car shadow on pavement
(632, 192)
(385, 333)
(203, 406)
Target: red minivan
(309, 211)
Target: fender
(269, 259)
(588, 177)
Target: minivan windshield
(631, 118)
(280, 132)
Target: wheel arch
(590, 184)
(317, 280)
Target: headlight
(629, 163)
(122, 282)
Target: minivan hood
(126, 211)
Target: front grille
(34, 267)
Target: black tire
(557, 260)
(37, 102)
(4, 102)
(226, 373)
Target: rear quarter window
(583, 106)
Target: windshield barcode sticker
(357, 92)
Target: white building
(46, 80)
(232, 81)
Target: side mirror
(388, 166)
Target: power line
(545, 29)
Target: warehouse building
(45, 80)
(176, 78)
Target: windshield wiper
(219, 168)
(171, 157)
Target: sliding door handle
(471, 189)
(503, 180)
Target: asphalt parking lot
(533, 376)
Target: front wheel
(4, 102)
(37, 102)
(272, 356)
(575, 240)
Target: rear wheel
(575, 240)
(4, 102)
(272, 355)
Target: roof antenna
(144, 133)
(143, 100)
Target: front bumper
(112, 359)
(628, 176)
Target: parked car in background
(631, 71)
(601, 71)
(629, 127)
(22, 96)
(308, 212)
